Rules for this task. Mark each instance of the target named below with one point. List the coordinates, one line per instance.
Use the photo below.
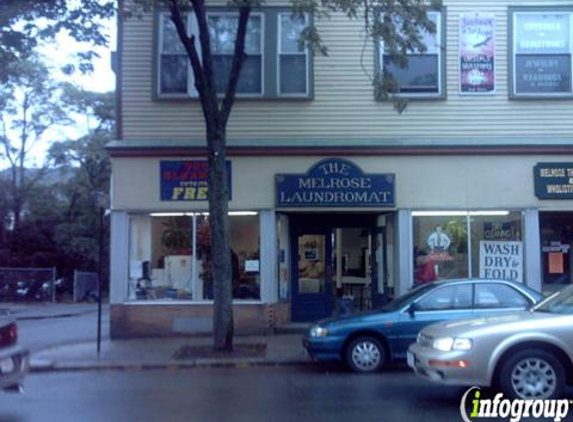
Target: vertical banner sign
(501, 260)
(187, 180)
(477, 53)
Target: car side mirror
(412, 308)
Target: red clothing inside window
(426, 273)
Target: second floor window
(277, 65)
(542, 53)
(423, 74)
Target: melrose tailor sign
(335, 182)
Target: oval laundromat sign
(335, 182)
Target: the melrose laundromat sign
(187, 180)
(335, 183)
(553, 180)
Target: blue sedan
(368, 341)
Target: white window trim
(159, 56)
(306, 93)
(192, 28)
(514, 56)
(438, 36)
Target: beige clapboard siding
(343, 106)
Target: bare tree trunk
(223, 325)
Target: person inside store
(425, 269)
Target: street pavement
(225, 394)
(140, 353)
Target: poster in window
(501, 260)
(477, 53)
(556, 263)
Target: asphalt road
(277, 394)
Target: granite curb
(54, 366)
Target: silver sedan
(527, 355)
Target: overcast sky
(61, 52)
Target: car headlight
(447, 344)
(318, 331)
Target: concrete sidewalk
(156, 353)
(42, 310)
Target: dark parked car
(14, 360)
(368, 341)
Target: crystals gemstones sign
(335, 183)
(477, 53)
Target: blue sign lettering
(335, 182)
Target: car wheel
(365, 355)
(532, 374)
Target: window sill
(282, 98)
(162, 302)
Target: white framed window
(222, 29)
(173, 67)
(422, 77)
(175, 76)
(292, 58)
(542, 53)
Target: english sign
(501, 260)
(553, 180)
(187, 180)
(335, 182)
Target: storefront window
(170, 256)
(556, 246)
(245, 263)
(440, 247)
(492, 236)
(444, 250)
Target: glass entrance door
(380, 290)
(312, 287)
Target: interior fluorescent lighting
(457, 213)
(438, 213)
(489, 212)
(167, 214)
(243, 213)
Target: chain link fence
(27, 284)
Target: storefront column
(404, 257)
(533, 275)
(268, 257)
(119, 256)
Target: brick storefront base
(167, 320)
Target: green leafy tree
(29, 107)
(398, 23)
(86, 164)
(26, 23)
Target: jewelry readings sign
(477, 53)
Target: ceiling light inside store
(438, 213)
(489, 212)
(456, 213)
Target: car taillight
(8, 335)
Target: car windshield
(405, 299)
(558, 303)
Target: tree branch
(238, 60)
(201, 82)
(210, 106)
